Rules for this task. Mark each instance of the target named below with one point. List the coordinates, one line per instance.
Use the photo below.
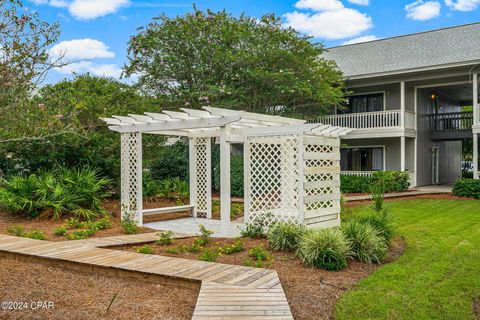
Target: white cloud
(420, 10)
(97, 69)
(360, 40)
(319, 5)
(86, 9)
(462, 5)
(337, 24)
(81, 49)
(360, 2)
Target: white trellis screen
(131, 176)
(201, 176)
(292, 178)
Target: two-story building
(413, 102)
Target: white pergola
(292, 169)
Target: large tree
(241, 63)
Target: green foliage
(204, 236)
(285, 236)
(236, 174)
(392, 181)
(145, 249)
(129, 225)
(171, 162)
(165, 238)
(209, 255)
(236, 209)
(166, 188)
(60, 231)
(172, 250)
(252, 64)
(150, 187)
(194, 247)
(103, 223)
(82, 234)
(259, 253)
(378, 197)
(61, 190)
(354, 184)
(382, 222)
(35, 234)
(325, 249)
(72, 223)
(469, 188)
(367, 245)
(181, 188)
(237, 246)
(18, 231)
(256, 229)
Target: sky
(95, 33)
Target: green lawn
(437, 277)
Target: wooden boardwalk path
(227, 291)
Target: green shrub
(172, 251)
(378, 197)
(367, 245)
(382, 222)
(209, 255)
(150, 187)
(204, 235)
(236, 174)
(165, 188)
(73, 223)
(259, 253)
(82, 234)
(103, 223)
(233, 248)
(18, 231)
(165, 238)
(172, 162)
(181, 189)
(61, 190)
(60, 231)
(469, 188)
(194, 247)
(35, 234)
(354, 184)
(392, 181)
(145, 249)
(129, 225)
(285, 236)
(325, 249)
(256, 228)
(236, 209)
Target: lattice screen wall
(131, 179)
(201, 176)
(293, 178)
(322, 181)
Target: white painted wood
(192, 175)
(402, 153)
(357, 173)
(209, 178)
(475, 98)
(224, 183)
(402, 104)
(365, 120)
(139, 181)
(147, 212)
(475, 156)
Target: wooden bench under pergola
(291, 169)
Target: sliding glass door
(362, 159)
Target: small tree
(205, 58)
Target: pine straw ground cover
(79, 295)
(311, 293)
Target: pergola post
(224, 184)
(131, 177)
(192, 176)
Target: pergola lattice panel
(202, 180)
(272, 171)
(131, 179)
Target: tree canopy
(214, 58)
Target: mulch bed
(312, 293)
(79, 295)
(446, 196)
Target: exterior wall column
(224, 184)
(131, 177)
(475, 156)
(475, 99)
(402, 153)
(402, 104)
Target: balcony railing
(357, 173)
(452, 121)
(364, 120)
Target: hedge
(393, 181)
(467, 188)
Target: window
(361, 159)
(364, 103)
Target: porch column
(224, 184)
(402, 153)
(475, 156)
(475, 98)
(402, 104)
(131, 176)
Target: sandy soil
(312, 293)
(78, 295)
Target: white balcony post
(475, 156)
(402, 153)
(224, 184)
(475, 98)
(402, 104)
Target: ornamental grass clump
(325, 249)
(285, 236)
(366, 243)
(382, 222)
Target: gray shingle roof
(416, 51)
